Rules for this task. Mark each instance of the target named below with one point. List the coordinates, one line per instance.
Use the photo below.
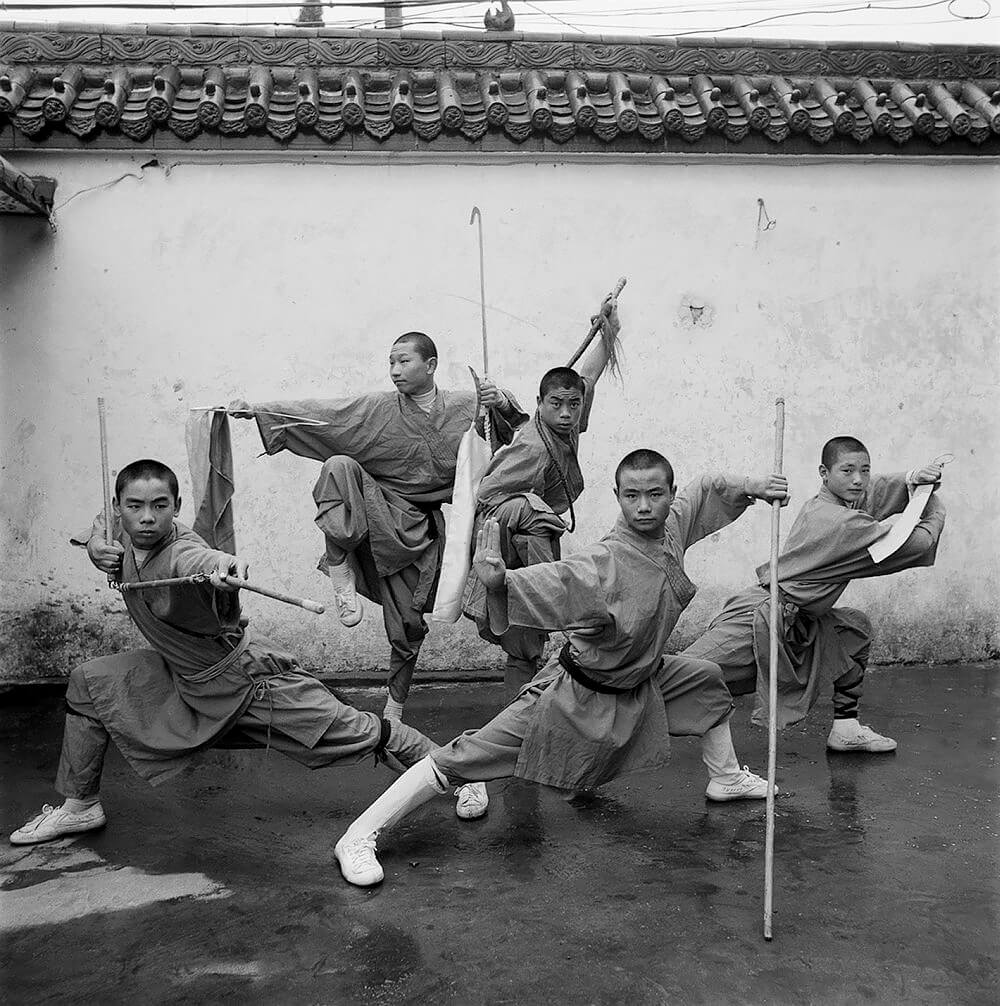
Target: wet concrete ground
(221, 885)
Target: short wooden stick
(300, 602)
(772, 719)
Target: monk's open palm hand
(487, 560)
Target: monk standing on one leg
(605, 705)
(826, 548)
(388, 465)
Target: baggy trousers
(351, 736)
(343, 518)
(527, 537)
(693, 691)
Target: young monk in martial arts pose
(605, 704)
(388, 465)
(527, 489)
(203, 678)
(826, 548)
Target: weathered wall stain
(167, 294)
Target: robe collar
(406, 404)
(828, 497)
(168, 539)
(656, 550)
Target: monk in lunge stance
(527, 489)
(826, 548)
(605, 704)
(388, 465)
(203, 678)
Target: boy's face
(147, 509)
(645, 495)
(561, 409)
(849, 476)
(409, 371)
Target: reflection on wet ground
(222, 884)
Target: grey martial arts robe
(826, 548)
(204, 676)
(618, 602)
(384, 509)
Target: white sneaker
(747, 787)
(862, 738)
(54, 822)
(345, 595)
(358, 862)
(473, 801)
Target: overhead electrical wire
(424, 10)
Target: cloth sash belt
(200, 677)
(576, 672)
(789, 609)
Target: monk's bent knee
(343, 466)
(77, 692)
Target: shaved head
(643, 460)
(833, 449)
(422, 344)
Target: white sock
(342, 576)
(417, 785)
(719, 755)
(393, 710)
(76, 806)
(845, 727)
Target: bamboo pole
(772, 719)
(105, 479)
(477, 217)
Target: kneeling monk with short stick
(605, 704)
(203, 679)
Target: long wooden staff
(232, 581)
(105, 480)
(596, 327)
(477, 217)
(772, 700)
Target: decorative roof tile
(408, 89)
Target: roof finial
(503, 20)
(310, 14)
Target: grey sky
(932, 21)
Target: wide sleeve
(189, 558)
(704, 506)
(82, 537)
(566, 595)
(919, 549)
(516, 469)
(319, 429)
(506, 419)
(830, 545)
(887, 495)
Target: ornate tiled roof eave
(409, 89)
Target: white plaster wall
(872, 305)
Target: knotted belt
(576, 672)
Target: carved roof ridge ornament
(22, 193)
(407, 90)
